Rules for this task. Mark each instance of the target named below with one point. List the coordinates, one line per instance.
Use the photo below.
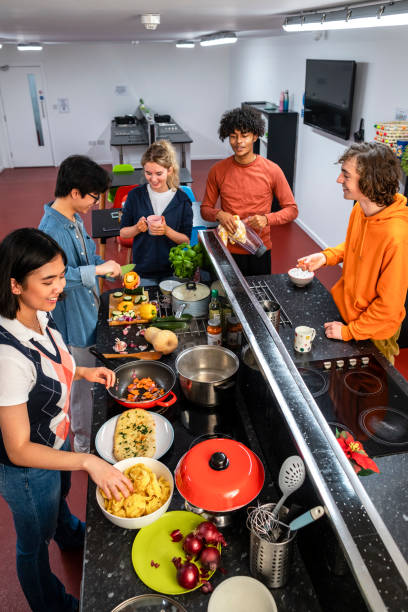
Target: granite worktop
(108, 574)
(313, 306)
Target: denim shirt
(77, 315)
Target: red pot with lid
(219, 475)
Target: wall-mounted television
(329, 90)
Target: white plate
(164, 437)
(241, 593)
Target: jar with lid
(214, 332)
(234, 333)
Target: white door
(25, 116)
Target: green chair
(119, 169)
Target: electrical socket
(100, 142)
(92, 143)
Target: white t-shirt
(160, 201)
(18, 374)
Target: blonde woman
(157, 215)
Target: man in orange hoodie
(371, 292)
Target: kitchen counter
(313, 305)
(373, 556)
(108, 574)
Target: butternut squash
(163, 340)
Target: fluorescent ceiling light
(220, 38)
(185, 44)
(1, 46)
(29, 47)
(349, 18)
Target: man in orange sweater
(246, 184)
(371, 292)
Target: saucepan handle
(107, 362)
(170, 402)
(223, 386)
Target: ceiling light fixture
(29, 47)
(1, 45)
(185, 44)
(150, 21)
(219, 38)
(350, 17)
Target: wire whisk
(263, 523)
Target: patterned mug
(304, 337)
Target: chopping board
(113, 305)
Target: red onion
(209, 533)
(188, 575)
(176, 535)
(193, 544)
(206, 587)
(210, 558)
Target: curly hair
(378, 168)
(242, 119)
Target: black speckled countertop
(312, 306)
(108, 574)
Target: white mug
(304, 337)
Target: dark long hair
(22, 252)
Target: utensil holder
(270, 561)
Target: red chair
(118, 202)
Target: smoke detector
(150, 21)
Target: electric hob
(357, 395)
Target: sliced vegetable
(125, 306)
(116, 313)
(118, 294)
(127, 298)
(136, 291)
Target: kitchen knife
(306, 518)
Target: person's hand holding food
(101, 375)
(108, 268)
(227, 220)
(312, 262)
(107, 477)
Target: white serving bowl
(136, 523)
(167, 285)
(300, 281)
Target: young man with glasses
(80, 182)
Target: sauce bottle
(214, 332)
(214, 307)
(234, 333)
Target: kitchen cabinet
(279, 142)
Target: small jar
(234, 333)
(214, 332)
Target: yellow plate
(154, 543)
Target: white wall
(191, 85)
(261, 68)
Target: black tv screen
(329, 93)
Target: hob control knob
(353, 362)
(327, 365)
(340, 363)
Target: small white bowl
(241, 593)
(136, 523)
(167, 286)
(300, 281)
